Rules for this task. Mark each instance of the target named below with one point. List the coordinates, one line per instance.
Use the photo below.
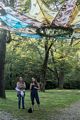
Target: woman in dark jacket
(34, 87)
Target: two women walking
(20, 88)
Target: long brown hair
(34, 81)
(21, 79)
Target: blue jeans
(20, 101)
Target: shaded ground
(70, 113)
(6, 116)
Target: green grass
(51, 102)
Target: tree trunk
(61, 75)
(55, 68)
(44, 66)
(44, 70)
(61, 68)
(2, 62)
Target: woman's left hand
(36, 88)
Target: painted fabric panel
(40, 12)
(23, 17)
(76, 23)
(19, 24)
(66, 14)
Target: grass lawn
(51, 102)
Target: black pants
(34, 95)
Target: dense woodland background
(26, 58)
(54, 63)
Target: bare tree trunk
(44, 66)
(61, 68)
(61, 75)
(44, 70)
(55, 68)
(2, 62)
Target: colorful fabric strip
(36, 36)
(24, 18)
(13, 22)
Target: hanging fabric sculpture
(40, 16)
(26, 25)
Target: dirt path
(6, 116)
(70, 113)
